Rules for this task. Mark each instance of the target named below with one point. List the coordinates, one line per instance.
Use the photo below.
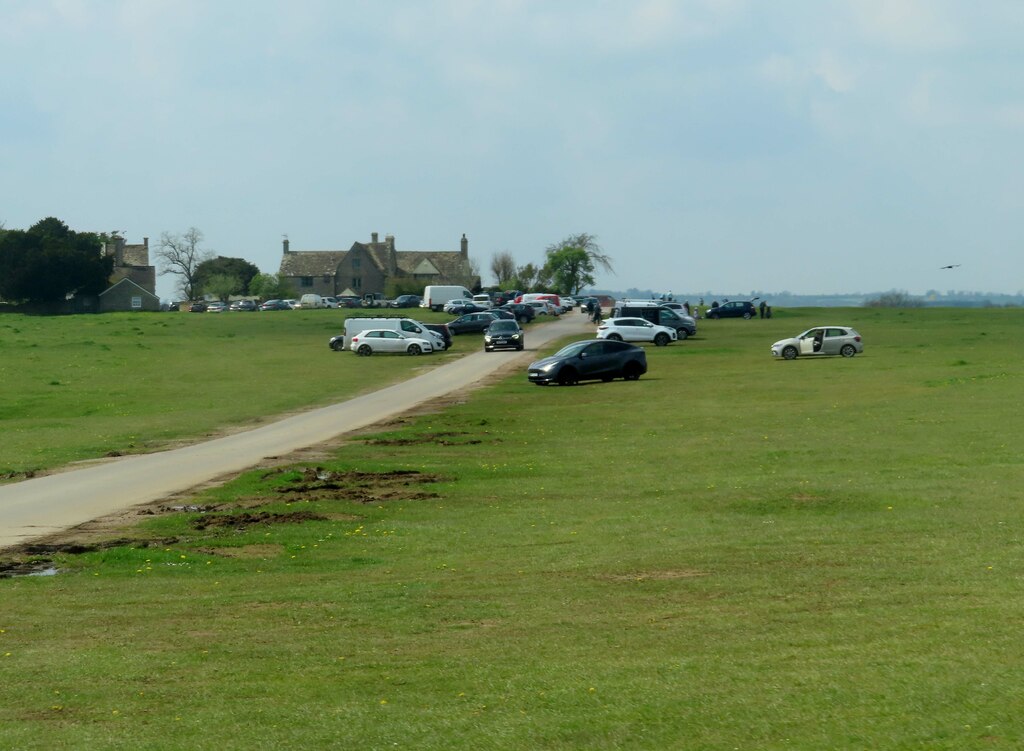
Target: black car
(523, 313)
(471, 323)
(197, 307)
(504, 334)
(275, 305)
(590, 360)
(442, 329)
(465, 307)
(733, 309)
(406, 301)
(245, 305)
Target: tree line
(49, 262)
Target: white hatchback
(636, 330)
(821, 340)
(387, 340)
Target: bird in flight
(951, 266)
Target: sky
(732, 146)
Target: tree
(503, 268)
(223, 268)
(270, 287)
(182, 256)
(571, 271)
(49, 262)
(525, 279)
(894, 299)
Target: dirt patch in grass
(661, 575)
(319, 484)
(250, 518)
(261, 551)
(452, 438)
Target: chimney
(465, 247)
(145, 242)
(285, 244)
(389, 242)
(373, 238)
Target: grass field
(86, 386)
(730, 553)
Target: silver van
(354, 326)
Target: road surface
(45, 505)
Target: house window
(307, 281)
(356, 263)
(357, 282)
(136, 303)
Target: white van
(311, 301)
(484, 301)
(354, 326)
(436, 295)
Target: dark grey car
(590, 360)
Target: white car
(388, 340)
(331, 302)
(636, 330)
(821, 340)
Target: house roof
(446, 263)
(311, 262)
(128, 281)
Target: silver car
(821, 340)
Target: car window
(835, 332)
(594, 349)
(390, 335)
(409, 326)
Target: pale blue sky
(815, 146)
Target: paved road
(45, 505)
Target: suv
(589, 360)
(657, 313)
(735, 309)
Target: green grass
(730, 553)
(81, 387)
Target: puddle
(15, 570)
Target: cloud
(912, 25)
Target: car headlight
(549, 366)
(515, 336)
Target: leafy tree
(223, 268)
(570, 269)
(526, 278)
(182, 256)
(49, 262)
(569, 272)
(270, 287)
(222, 286)
(894, 299)
(503, 268)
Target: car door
(593, 360)
(391, 341)
(834, 339)
(807, 342)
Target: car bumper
(540, 376)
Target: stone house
(375, 267)
(126, 295)
(131, 262)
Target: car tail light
(856, 338)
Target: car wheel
(682, 334)
(365, 350)
(415, 349)
(848, 350)
(568, 377)
(631, 372)
(789, 352)
(661, 339)
(521, 347)
(607, 379)
(747, 316)
(615, 337)
(338, 346)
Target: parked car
(441, 329)
(501, 313)
(406, 301)
(471, 323)
(197, 307)
(657, 312)
(349, 301)
(275, 305)
(458, 308)
(386, 340)
(242, 305)
(821, 340)
(733, 309)
(523, 313)
(216, 307)
(330, 302)
(504, 334)
(292, 304)
(540, 308)
(636, 330)
(590, 360)
(407, 326)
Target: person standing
(762, 307)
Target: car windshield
(504, 326)
(572, 350)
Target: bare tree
(503, 267)
(181, 256)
